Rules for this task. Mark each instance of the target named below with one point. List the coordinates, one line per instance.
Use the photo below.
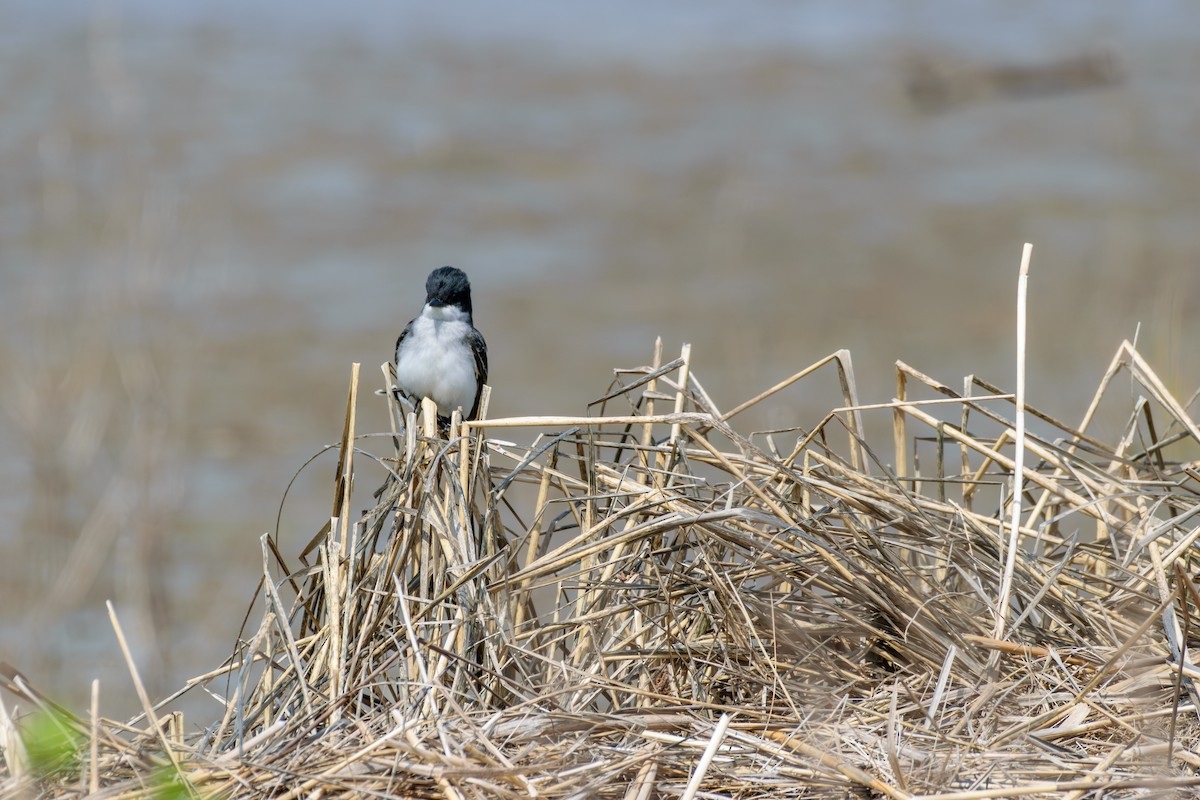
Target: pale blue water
(657, 32)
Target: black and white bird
(439, 354)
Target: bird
(440, 354)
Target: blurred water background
(209, 210)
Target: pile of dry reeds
(647, 603)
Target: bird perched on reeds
(440, 354)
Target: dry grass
(647, 603)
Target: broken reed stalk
(1018, 481)
(638, 603)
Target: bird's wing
(396, 357)
(479, 348)
(403, 335)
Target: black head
(447, 286)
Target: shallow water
(210, 210)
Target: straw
(639, 604)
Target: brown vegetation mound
(648, 603)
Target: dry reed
(645, 602)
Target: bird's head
(448, 288)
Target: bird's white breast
(436, 362)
